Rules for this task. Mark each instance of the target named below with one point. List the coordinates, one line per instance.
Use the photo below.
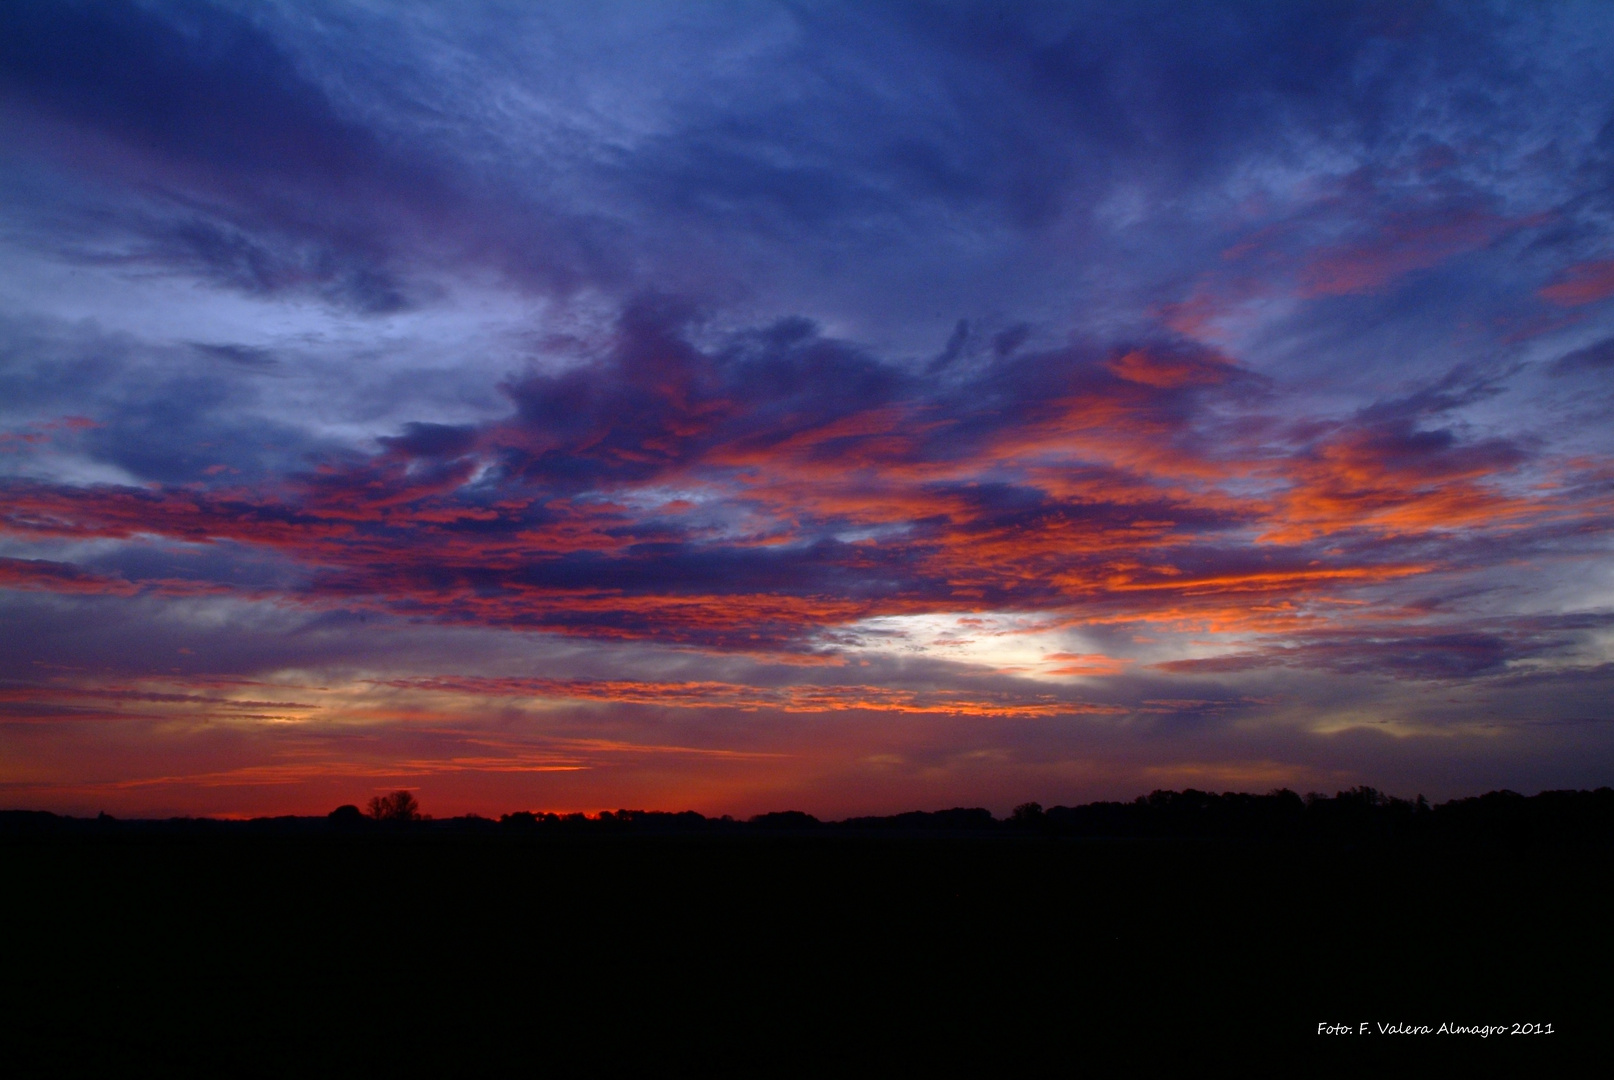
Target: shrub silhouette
(399, 806)
(346, 816)
(785, 819)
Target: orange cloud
(1088, 664)
(1166, 372)
(749, 698)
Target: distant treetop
(399, 806)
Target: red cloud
(1583, 283)
(1405, 244)
(58, 577)
(711, 501)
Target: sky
(844, 407)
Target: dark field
(380, 951)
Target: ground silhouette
(1211, 924)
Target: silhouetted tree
(399, 806)
(521, 819)
(785, 819)
(1027, 813)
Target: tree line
(1359, 814)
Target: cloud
(791, 699)
(239, 168)
(855, 403)
(779, 483)
(57, 577)
(1594, 357)
(1582, 283)
(1398, 248)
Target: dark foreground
(466, 952)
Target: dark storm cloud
(242, 355)
(196, 84)
(1009, 113)
(179, 429)
(422, 440)
(267, 189)
(44, 371)
(345, 272)
(1597, 357)
(163, 415)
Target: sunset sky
(850, 408)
